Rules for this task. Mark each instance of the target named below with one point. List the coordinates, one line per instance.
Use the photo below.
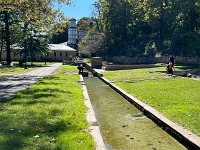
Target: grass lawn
(48, 115)
(16, 69)
(177, 98)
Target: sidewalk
(12, 85)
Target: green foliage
(186, 44)
(92, 44)
(84, 54)
(85, 24)
(22, 18)
(61, 35)
(145, 27)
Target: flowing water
(123, 126)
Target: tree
(117, 21)
(134, 27)
(85, 24)
(97, 15)
(36, 14)
(92, 44)
(61, 35)
(2, 41)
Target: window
(66, 54)
(60, 54)
(54, 54)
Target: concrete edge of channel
(183, 135)
(94, 128)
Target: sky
(80, 8)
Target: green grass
(48, 115)
(177, 98)
(16, 69)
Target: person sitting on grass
(169, 68)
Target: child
(169, 68)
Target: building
(74, 35)
(59, 52)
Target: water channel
(123, 126)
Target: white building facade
(59, 52)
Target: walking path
(12, 85)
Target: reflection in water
(122, 125)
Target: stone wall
(132, 60)
(179, 60)
(126, 67)
(150, 60)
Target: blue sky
(80, 8)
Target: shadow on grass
(185, 67)
(36, 117)
(36, 94)
(31, 65)
(34, 133)
(20, 83)
(33, 119)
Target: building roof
(53, 47)
(61, 47)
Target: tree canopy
(147, 27)
(27, 20)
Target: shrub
(186, 44)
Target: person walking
(172, 60)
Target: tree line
(145, 28)
(29, 24)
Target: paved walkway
(12, 85)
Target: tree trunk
(25, 43)
(2, 43)
(1, 53)
(161, 20)
(124, 34)
(7, 38)
(193, 18)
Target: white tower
(72, 34)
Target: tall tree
(35, 14)
(97, 15)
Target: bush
(84, 54)
(186, 44)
